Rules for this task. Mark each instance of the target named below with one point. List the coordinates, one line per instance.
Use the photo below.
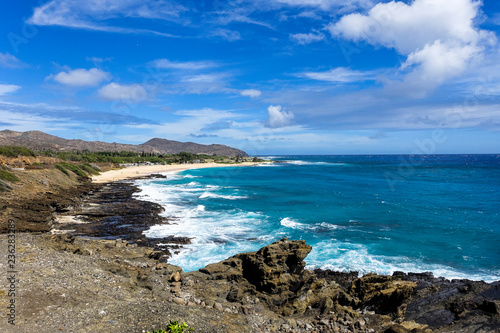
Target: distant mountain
(38, 141)
(173, 147)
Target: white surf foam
(290, 223)
(212, 195)
(345, 257)
(299, 162)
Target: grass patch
(62, 169)
(89, 169)
(15, 151)
(74, 168)
(8, 177)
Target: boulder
(277, 267)
(383, 294)
(272, 269)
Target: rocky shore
(84, 266)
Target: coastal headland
(82, 264)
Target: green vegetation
(89, 169)
(175, 327)
(85, 158)
(15, 151)
(62, 169)
(130, 157)
(76, 169)
(7, 176)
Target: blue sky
(266, 76)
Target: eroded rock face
(276, 274)
(272, 283)
(383, 293)
(275, 268)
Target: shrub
(95, 167)
(7, 176)
(175, 327)
(15, 151)
(74, 168)
(62, 169)
(87, 168)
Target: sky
(266, 76)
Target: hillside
(39, 141)
(175, 147)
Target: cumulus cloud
(308, 38)
(250, 93)
(278, 117)
(82, 77)
(8, 88)
(9, 61)
(435, 64)
(115, 91)
(444, 39)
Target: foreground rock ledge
(88, 285)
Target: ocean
(418, 213)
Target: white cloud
(9, 61)
(91, 14)
(308, 38)
(240, 14)
(324, 4)
(204, 83)
(278, 117)
(115, 91)
(230, 35)
(250, 93)
(21, 122)
(433, 65)
(97, 60)
(341, 74)
(203, 78)
(8, 88)
(190, 122)
(82, 77)
(187, 65)
(438, 36)
(391, 24)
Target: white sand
(146, 170)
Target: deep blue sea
(438, 213)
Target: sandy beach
(146, 170)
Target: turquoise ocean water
(438, 213)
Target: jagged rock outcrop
(402, 302)
(273, 269)
(383, 293)
(276, 274)
(453, 306)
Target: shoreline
(147, 170)
(64, 275)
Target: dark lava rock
(383, 294)
(453, 306)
